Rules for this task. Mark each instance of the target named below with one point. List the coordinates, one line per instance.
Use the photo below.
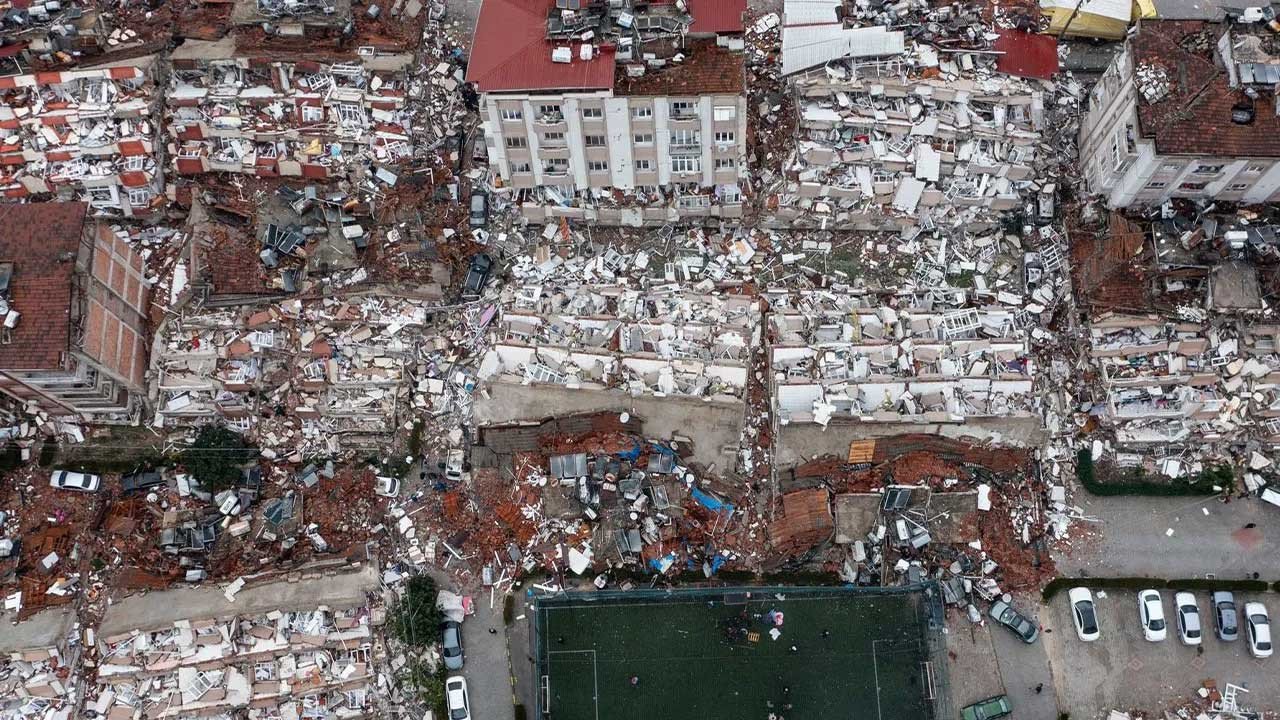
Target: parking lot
(1122, 670)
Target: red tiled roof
(1195, 117)
(1027, 54)
(707, 69)
(510, 52)
(35, 237)
(716, 16)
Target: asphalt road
(1132, 538)
(1022, 668)
(486, 668)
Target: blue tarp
(633, 454)
(710, 503)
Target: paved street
(487, 671)
(1023, 667)
(1132, 538)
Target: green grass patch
(1135, 584)
(1104, 480)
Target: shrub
(428, 685)
(416, 619)
(217, 457)
(1135, 584)
(1134, 482)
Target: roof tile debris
(43, 242)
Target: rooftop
(511, 52)
(706, 68)
(37, 239)
(1199, 95)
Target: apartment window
(644, 165)
(682, 109)
(548, 109)
(597, 166)
(684, 137)
(592, 113)
(724, 138)
(521, 168)
(593, 140)
(1193, 186)
(730, 194)
(643, 138)
(135, 162)
(1236, 187)
(350, 114)
(558, 166)
(1256, 168)
(641, 112)
(517, 142)
(312, 114)
(139, 197)
(1208, 169)
(103, 195)
(553, 138)
(1156, 185)
(726, 163)
(686, 165)
(647, 189)
(512, 115)
(725, 112)
(1170, 167)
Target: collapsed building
(270, 117)
(38, 678)
(84, 134)
(73, 342)
(618, 113)
(839, 355)
(1143, 140)
(901, 130)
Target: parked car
(1224, 616)
(992, 707)
(83, 482)
(479, 209)
(386, 486)
(139, 480)
(1257, 629)
(1189, 628)
(477, 274)
(1085, 613)
(1151, 613)
(1003, 613)
(451, 644)
(455, 694)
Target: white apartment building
(1187, 110)
(614, 113)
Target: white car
(1151, 612)
(83, 482)
(1257, 628)
(386, 486)
(1190, 631)
(455, 694)
(1084, 613)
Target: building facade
(1187, 110)
(645, 127)
(73, 343)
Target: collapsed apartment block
(895, 132)
(73, 339)
(616, 112)
(38, 679)
(657, 343)
(309, 376)
(1187, 110)
(84, 134)
(852, 356)
(279, 664)
(268, 117)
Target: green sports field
(702, 655)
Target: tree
(417, 619)
(217, 457)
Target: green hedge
(1135, 584)
(1137, 484)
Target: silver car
(451, 644)
(1225, 621)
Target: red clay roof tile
(41, 240)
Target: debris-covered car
(479, 209)
(386, 486)
(477, 275)
(83, 482)
(140, 480)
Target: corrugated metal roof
(807, 46)
(716, 16)
(510, 52)
(810, 12)
(1027, 54)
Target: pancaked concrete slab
(44, 629)
(798, 443)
